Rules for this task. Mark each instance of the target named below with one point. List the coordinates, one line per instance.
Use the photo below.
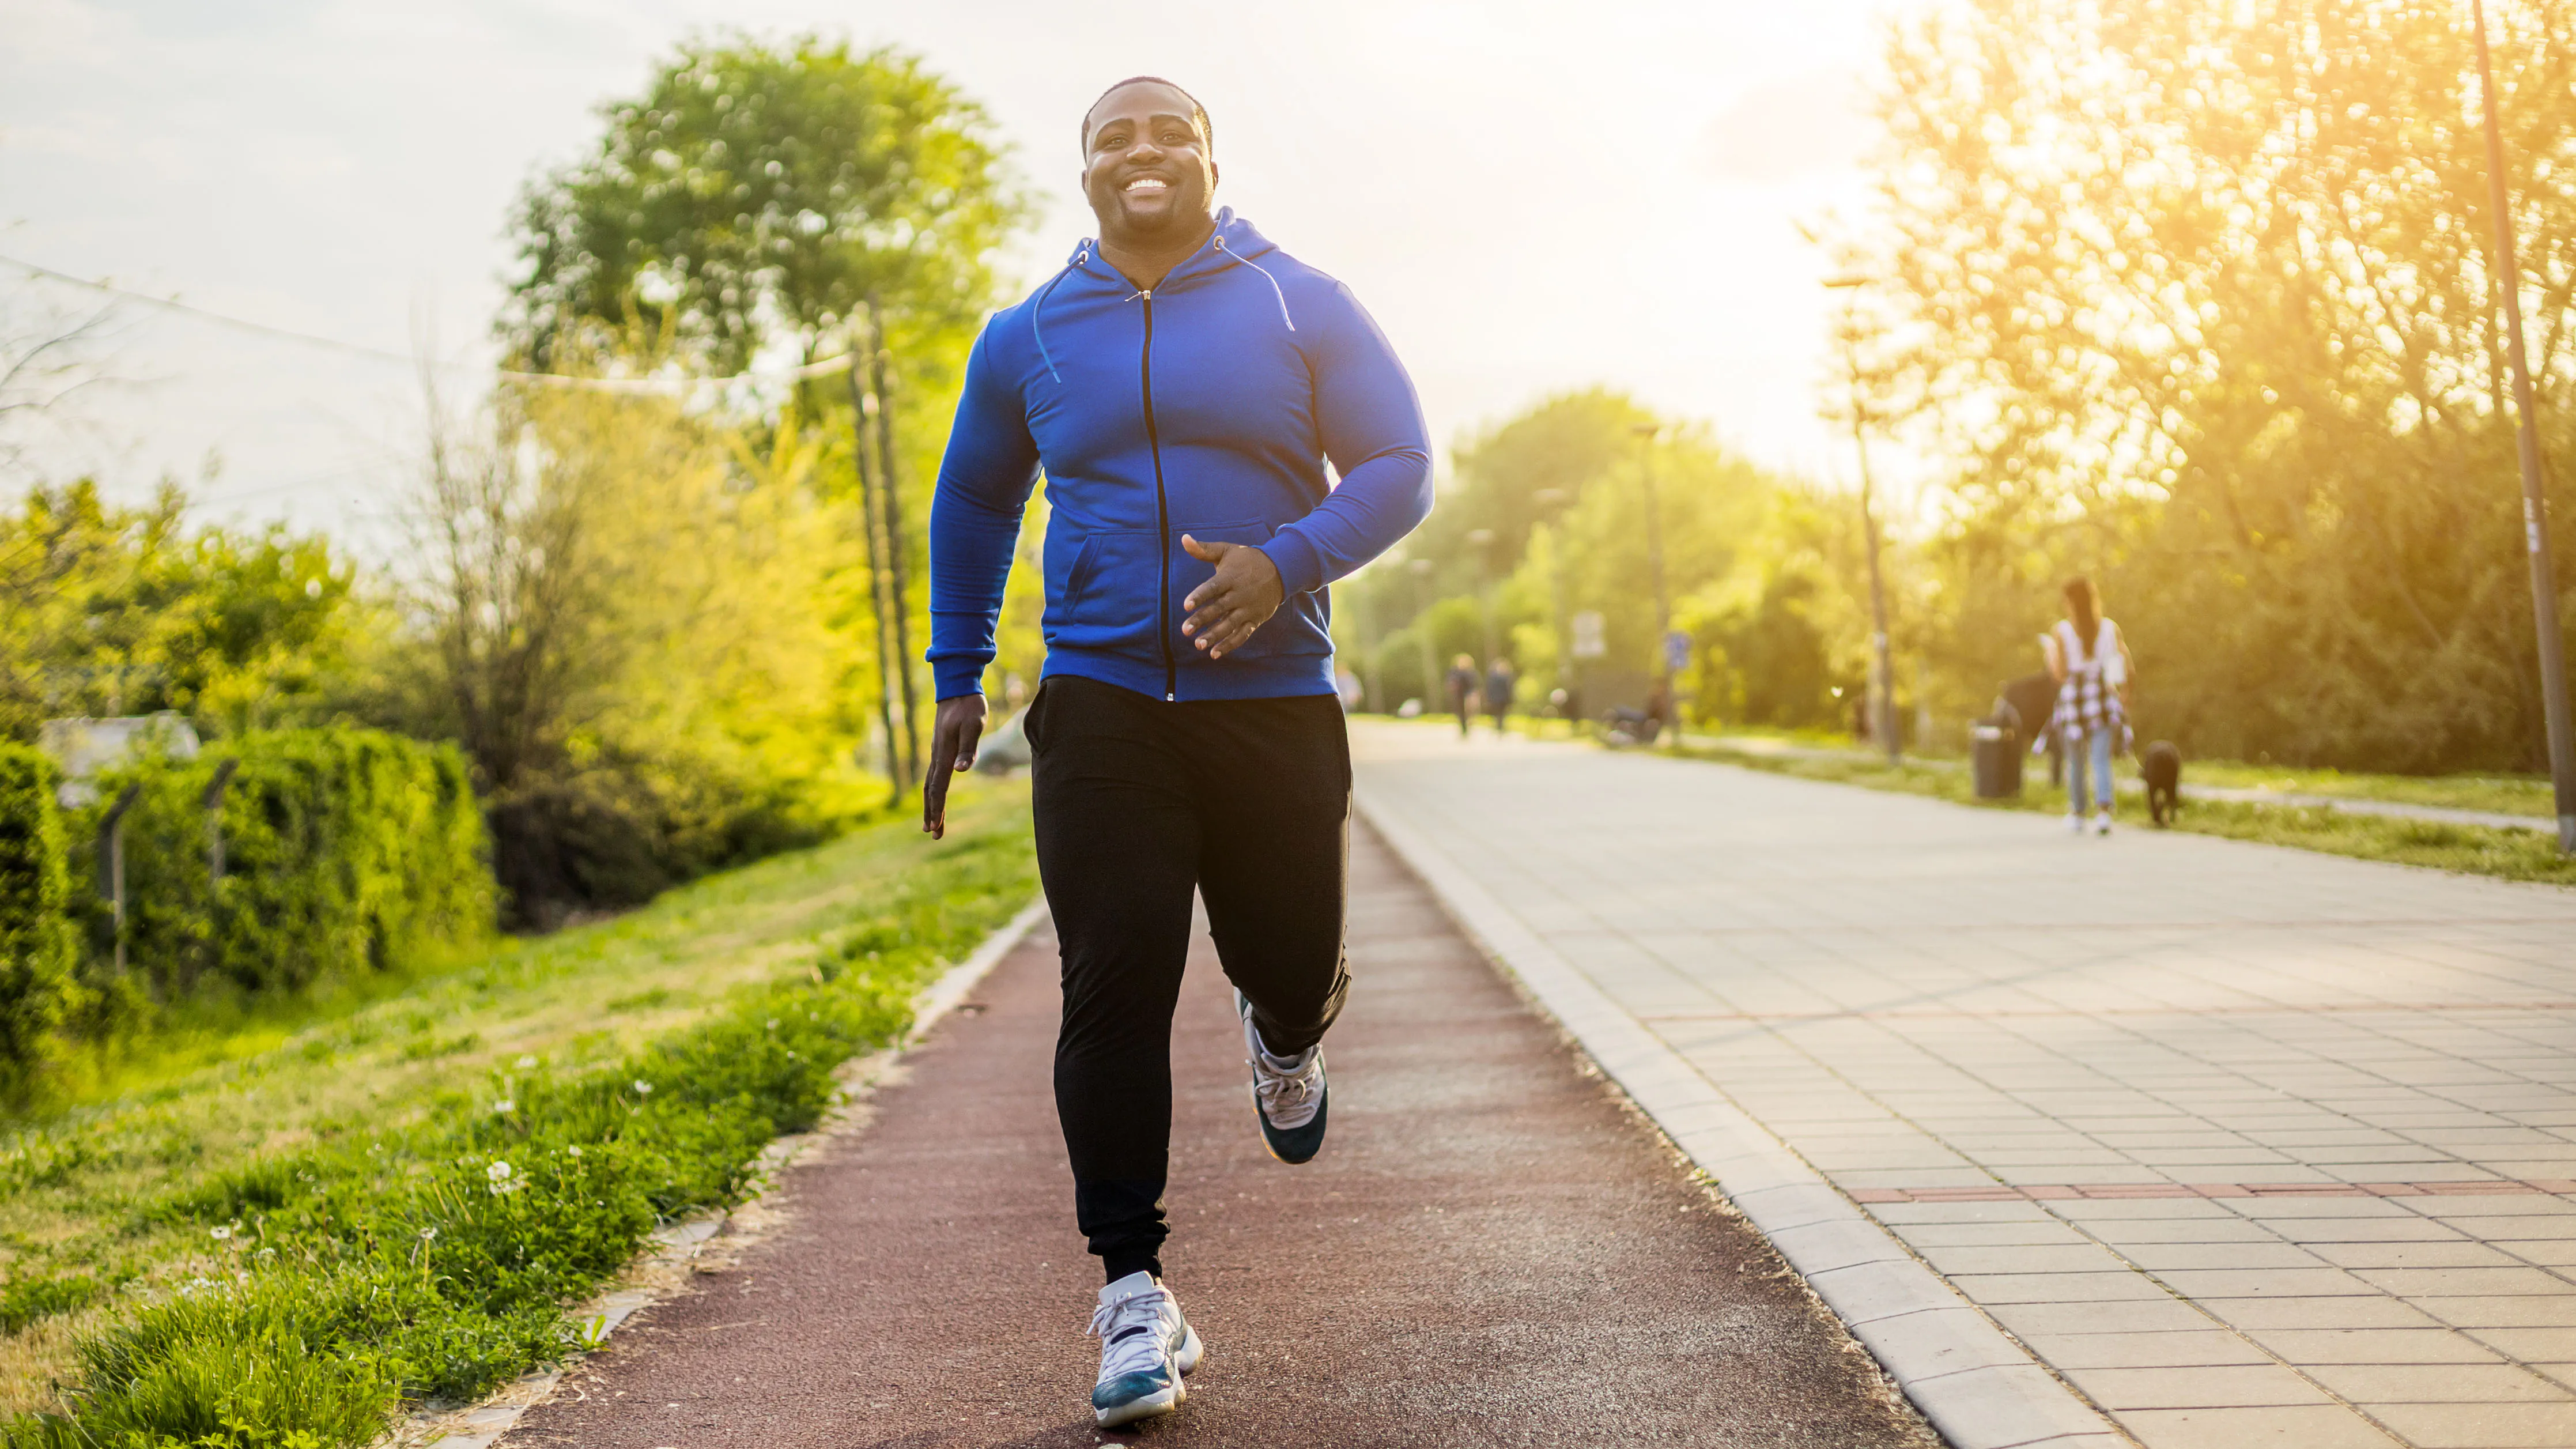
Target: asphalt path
(1492, 1249)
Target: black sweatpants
(1139, 802)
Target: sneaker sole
(1165, 1402)
(1144, 1408)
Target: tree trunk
(896, 549)
(876, 578)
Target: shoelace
(1136, 1348)
(1287, 1093)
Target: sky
(1529, 197)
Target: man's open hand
(952, 749)
(1244, 594)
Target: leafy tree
(642, 628)
(799, 199)
(2198, 297)
(110, 610)
(756, 196)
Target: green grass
(2500, 794)
(2507, 854)
(281, 1243)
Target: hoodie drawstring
(1039, 306)
(1265, 276)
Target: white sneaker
(1287, 1094)
(1145, 1347)
(2074, 823)
(2102, 823)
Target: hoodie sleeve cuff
(1301, 571)
(953, 677)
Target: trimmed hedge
(37, 984)
(347, 851)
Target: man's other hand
(952, 749)
(1244, 594)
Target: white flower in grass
(526, 1062)
(428, 1234)
(505, 1105)
(222, 1234)
(643, 1088)
(773, 1023)
(572, 1152)
(499, 1175)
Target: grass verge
(2520, 855)
(281, 1249)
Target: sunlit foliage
(2196, 295)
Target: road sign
(1676, 650)
(1587, 636)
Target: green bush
(37, 984)
(346, 851)
(436, 1262)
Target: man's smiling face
(1145, 164)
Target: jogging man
(1182, 383)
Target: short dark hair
(1198, 113)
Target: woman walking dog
(2090, 663)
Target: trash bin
(1994, 754)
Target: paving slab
(2270, 1095)
(1493, 1249)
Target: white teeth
(1146, 183)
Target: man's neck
(1147, 264)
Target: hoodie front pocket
(1297, 627)
(1108, 597)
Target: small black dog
(2160, 764)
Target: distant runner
(1182, 382)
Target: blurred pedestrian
(2090, 663)
(1462, 691)
(1500, 681)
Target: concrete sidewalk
(2247, 1145)
(1492, 1250)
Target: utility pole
(1655, 567)
(2535, 502)
(1882, 670)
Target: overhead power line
(824, 368)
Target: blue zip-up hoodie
(1206, 406)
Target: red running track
(1492, 1249)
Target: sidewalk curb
(676, 1246)
(1977, 1386)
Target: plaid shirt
(2086, 701)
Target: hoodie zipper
(1162, 507)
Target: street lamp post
(1655, 568)
(2535, 503)
(1421, 569)
(1882, 672)
(1553, 499)
(1483, 539)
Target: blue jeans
(2098, 745)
